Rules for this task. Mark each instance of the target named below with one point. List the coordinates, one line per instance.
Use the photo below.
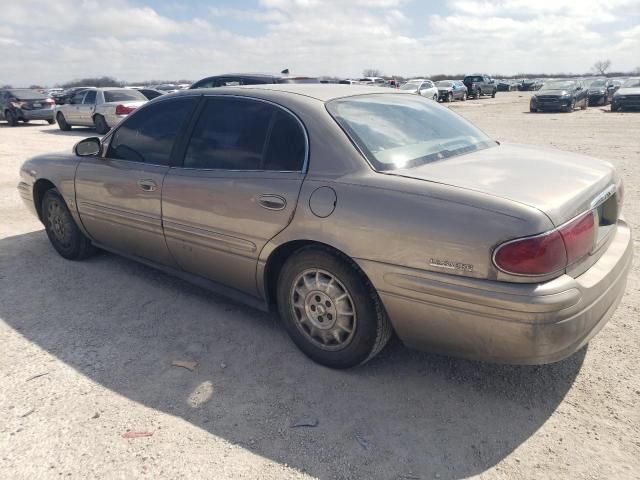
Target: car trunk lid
(560, 184)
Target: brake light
(50, 101)
(532, 256)
(124, 110)
(549, 252)
(579, 237)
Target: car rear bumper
(504, 322)
(40, 114)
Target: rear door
(119, 195)
(238, 188)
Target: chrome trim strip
(206, 238)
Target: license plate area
(606, 216)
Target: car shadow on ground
(4, 124)
(403, 415)
(74, 132)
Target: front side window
(90, 98)
(148, 135)
(401, 131)
(77, 98)
(243, 134)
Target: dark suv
(480, 84)
(235, 79)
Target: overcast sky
(46, 42)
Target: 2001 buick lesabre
(356, 212)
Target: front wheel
(435, 98)
(493, 94)
(61, 228)
(464, 96)
(101, 124)
(450, 97)
(330, 310)
(478, 93)
(62, 122)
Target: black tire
(11, 118)
(464, 96)
(572, 106)
(493, 94)
(478, 94)
(435, 98)
(62, 122)
(450, 97)
(25, 120)
(371, 328)
(101, 124)
(614, 107)
(63, 233)
(51, 122)
(532, 110)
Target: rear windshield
(123, 95)
(445, 83)
(473, 79)
(26, 94)
(401, 131)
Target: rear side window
(243, 134)
(90, 98)
(148, 136)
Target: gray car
(24, 105)
(354, 212)
(101, 108)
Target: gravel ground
(87, 352)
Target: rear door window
(245, 134)
(90, 98)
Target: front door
(119, 195)
(72, 111)
(237, 189)
(85, 111)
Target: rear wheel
(572, 106)
(493, 94)
(614, 107)
(533, 110)
(330, 310)
(12, 120)
(63, 233)
(101, 124)
(51, 122)
(62, 122)
(25, 120)
(464, 96)
(450, 97)
(478, 93)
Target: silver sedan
(102, 108)
(354, 212)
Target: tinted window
(239, 134)
(230, 135)
(123, 95)
(286, 148)
(403, 131)
(77, 98)
(149, 135)
(90, 98)
(26, 94)
(473, 79)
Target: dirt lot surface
(87, 349)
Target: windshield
(299, 80)
(402, 131)
(26, 94)
(598, 83)
(411, 85)
(444, 83)
(472, 79)
(567, 85)
(123, 95)
(632, 83)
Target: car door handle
(147, 185)
(272, 202)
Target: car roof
(323, 92)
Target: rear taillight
(50, 101)
(532, 256)
(579, 237)
(549, 252)
(124, 110)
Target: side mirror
(89, 147)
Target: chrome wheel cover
(59, 224)
(323, 309)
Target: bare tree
(371, 72)
(601, 66)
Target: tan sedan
(355, 212)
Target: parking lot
(87, 352)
